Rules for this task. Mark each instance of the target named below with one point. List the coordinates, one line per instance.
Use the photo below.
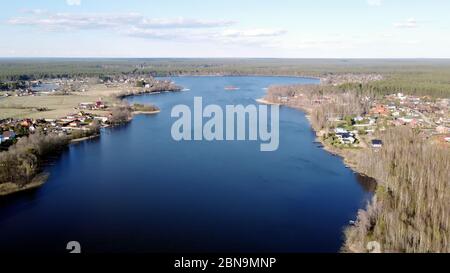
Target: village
(75, 125)
(68, 85)
(429, 116)
(72, 107)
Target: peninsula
(36, 125)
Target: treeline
(422, 77)
(5, 86)
(144, 108)
(24, 160)
(120, 114)
(33, 69)
(411, 209)
(324, 103)
(413, 84)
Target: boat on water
(231, 88)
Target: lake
(45, 87)
(137, 190)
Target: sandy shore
(264, 101)
(77, 140)
(146, 112)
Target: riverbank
(40, 178)
(146, 112)
(405, 213)
(347, 155)
(12, 188)
(81, 139)
(264, 101)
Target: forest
(413, 76)
(411, 209)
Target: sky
(226, 28)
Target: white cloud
(64, 21)
(410, 23)
(154, 34)
(247, 33)
(136, 25)
(73, 2)
(182, 23)
(220, 35)
(374, 3)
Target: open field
(57, 105)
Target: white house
(348, 140)
(102, 119)
(376, 143)
(340, 131)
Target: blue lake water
(45, 87)
(137, 190)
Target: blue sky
(245, 28)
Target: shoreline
(11, 188)
(135, 113)
(264, 101)
(345, 155)
(244, 75)
(81, 139)
(146, 92)
(41, 178)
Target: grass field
(58, 106)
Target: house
(380, 110)
(284, 99)
(86, 105)
(102, 119)
(340, 131)
(392, 107)
(344, 136)
(406, 120)
(99, 105)
(442, 130)
(401, 96)
(376, 143)
(26, 123)
(9, 135)
(348, 139)
(75, 123)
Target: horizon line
(255, 58)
